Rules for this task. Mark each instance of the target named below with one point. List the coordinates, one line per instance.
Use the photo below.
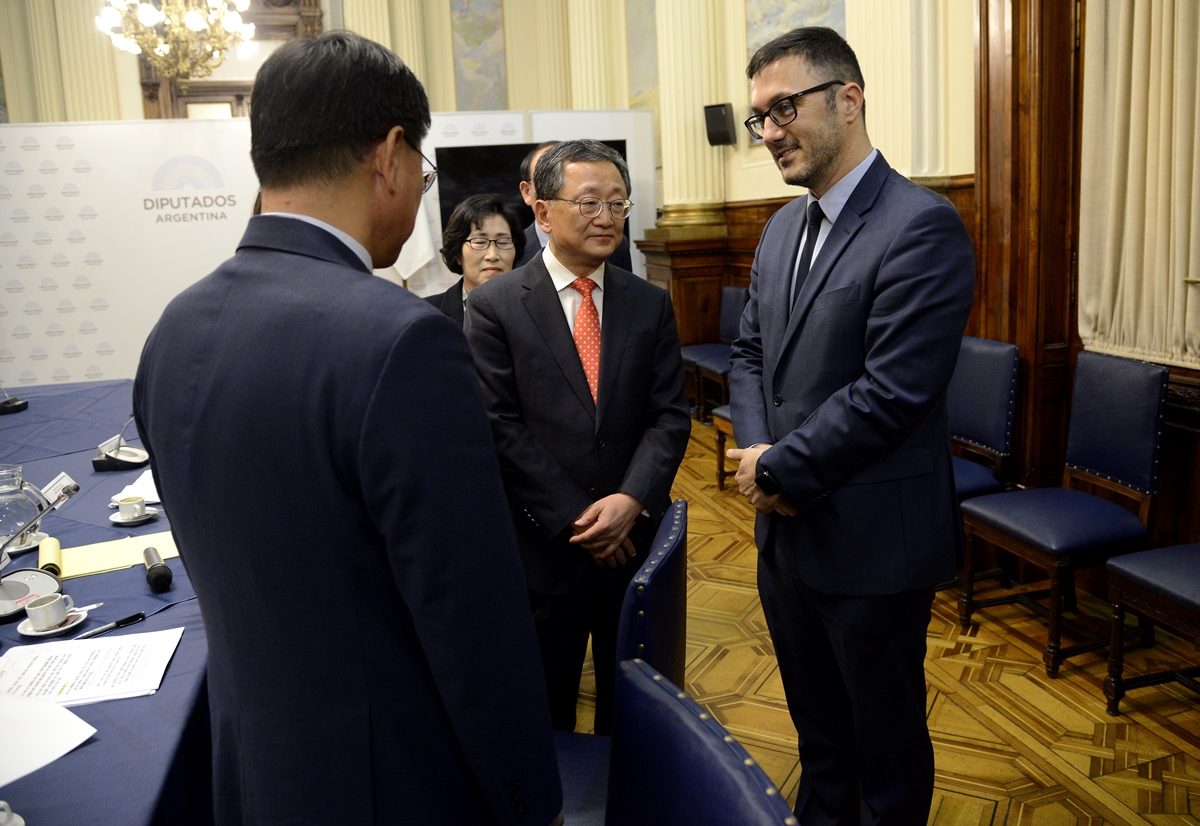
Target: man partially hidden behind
(583, 381)
(858, 298)
(318, 438)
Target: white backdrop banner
(101, 224)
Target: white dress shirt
(570, 297)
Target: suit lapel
(848, 224)
(614, 332)
(781, 297)
(545, 310)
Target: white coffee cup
(8, 817)
(49, 611)
(132, 507)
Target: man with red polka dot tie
(581, 373)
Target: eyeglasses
(590, 207)
(504, 242)
(429, 175)
(783, 111)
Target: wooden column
(1027, 127)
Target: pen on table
(121, 623)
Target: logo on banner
(87, 328)
(98, 304)
(60, 374)
(49, 168)
(41, 238)
(26, 262)
(20, 331)
(55, 329)
(6, 356)
(8, 240)
(87, 213)
(30, 144)
(79, 166)
(70, 190)
(5, 193)
(27, 377)
(184, 172)
(36, 191)
(59, 260)
(92, 259)
(13, 168)
(64, 143)
(32, 308)
(48, 285)
(3, 311)
(93, 372)
(20, 216)
(66, 306)
(54, 214)
(75, 237)
(38, 354)
(104, 349)
(81, 282)
(14, 286)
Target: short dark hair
(549, 177)
(825, 51)
(527, 163)
(471, 213)
(320, 104)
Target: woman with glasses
(481, 240)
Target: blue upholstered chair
(710, 362)
(670, 764)
(1160, 585)
(1112, 452)
(979, 402)
(653, 627)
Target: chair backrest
(733, 303)
(653, 624)
(671, 763)
(1116, 423)
(979, 399)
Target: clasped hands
(747, 459)
(603, 529)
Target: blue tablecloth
(149, 761)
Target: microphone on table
(158, 575)
(11, 404)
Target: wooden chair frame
(724, 428)
(1061, 571)
(1150, 607)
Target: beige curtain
(1139, 220)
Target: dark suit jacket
(450, 302)
(533, 245)
(317, 435)
(559, 451)
(850, 388)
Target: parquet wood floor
(1012, 746)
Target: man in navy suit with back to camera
(583, 381)
(859, 296)
(535, 237)
(318, 437)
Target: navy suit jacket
(850, 386)
(558, 450)
(450, 302)
(315, 432)
(533, 245)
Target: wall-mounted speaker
(718, 119)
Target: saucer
(73, 619)
(117, 519)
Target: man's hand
(603, 529)
(747, 459)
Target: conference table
(149, 761)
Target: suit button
(595, 494)
(778, 400)
(599, 443)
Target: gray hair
(549, 177)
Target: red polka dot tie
(587, 334)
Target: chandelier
(182, 39)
